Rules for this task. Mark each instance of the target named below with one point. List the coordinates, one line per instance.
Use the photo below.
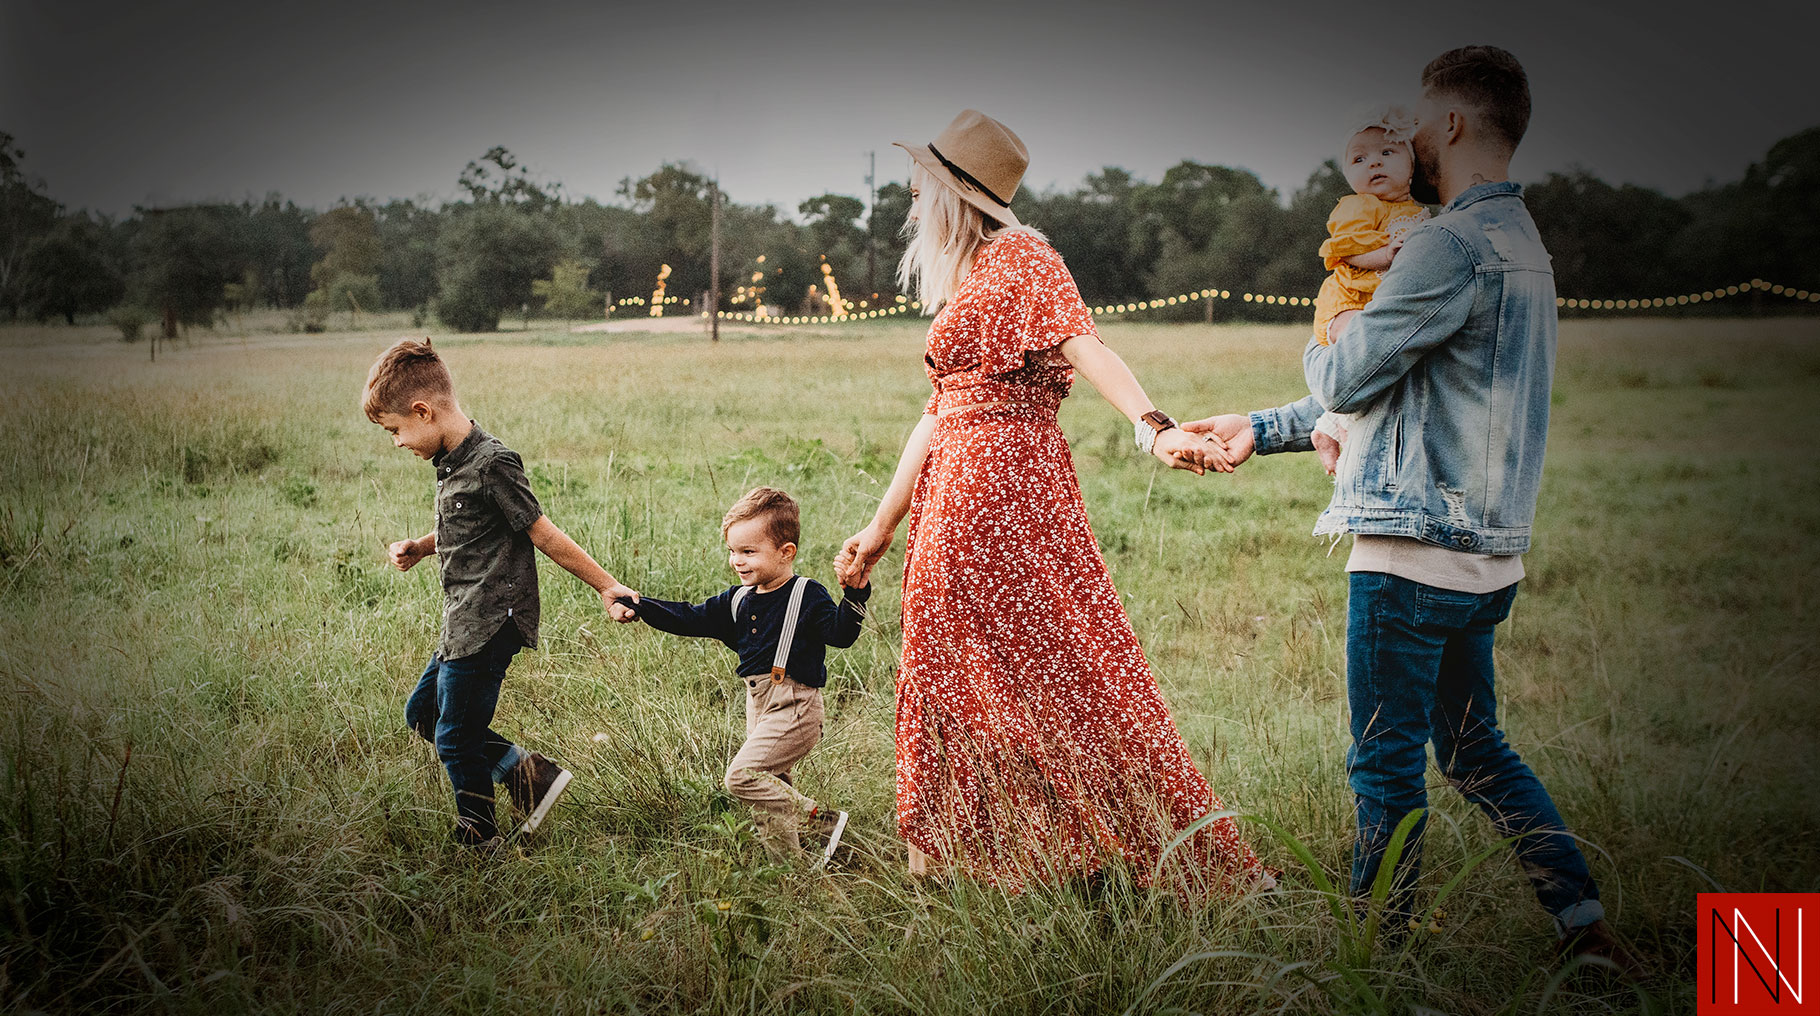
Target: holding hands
(1232, 431)
(863, 550)
(610, 597)
(1198, 453)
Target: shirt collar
(461, 453)
(1480, 192)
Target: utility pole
(714, 261)
(871, 210)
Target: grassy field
(211, 802)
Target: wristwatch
(1149, 426)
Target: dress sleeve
(507, 486)
(1354, 228)
(1035, 304)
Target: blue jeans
(452, 708)
(1419, 670)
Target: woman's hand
(853, 565)
(1198, 452)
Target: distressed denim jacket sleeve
(1425, 298)
(1286, 428)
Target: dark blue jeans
(1419, 670)
(452, 708)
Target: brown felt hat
(980, 158)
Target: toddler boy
(780, 624)
(487, 521)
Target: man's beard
(1422, 184)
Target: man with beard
(1449, 370)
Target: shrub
(130, 320)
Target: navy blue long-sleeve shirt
(761, 620)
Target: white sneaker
(831, 824)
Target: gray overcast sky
(117, 105)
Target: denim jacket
(1448, 370)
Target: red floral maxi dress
(1032, 741)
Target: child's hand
(405, 553)
(610, 598)
(1329, 450)
(1329, 437)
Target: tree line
(512, 245)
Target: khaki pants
(783, 721)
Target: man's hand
(1232, 428)
(619, 611)
(406, 553)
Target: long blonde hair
(941, 241)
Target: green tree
(673, 228)
(606, 239)
(565, 293)
(1607, 240)
(183, 260)
(407, 235)
(26, 214)
(1091, 227)
(885, 226)
(1766, 225)
(276, 236)
(1294, 265)
(347, 277)
(488, 256)
(68, 272)
(833, 233)
(497, 178)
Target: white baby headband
(1397, 122)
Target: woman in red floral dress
(1032, 741)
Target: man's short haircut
(1490, 80)
(783, 519)
(408, 372)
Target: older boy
(781, 626)
(487, 521)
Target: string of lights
(861, 312)
(1275, 299)
(1682, 300)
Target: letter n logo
(1752, 954)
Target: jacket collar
(1482, 191)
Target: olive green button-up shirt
(484, 507)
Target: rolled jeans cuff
(1578, 916)
(514, 755)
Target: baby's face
(1377, 167)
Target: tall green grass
(209, 800)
